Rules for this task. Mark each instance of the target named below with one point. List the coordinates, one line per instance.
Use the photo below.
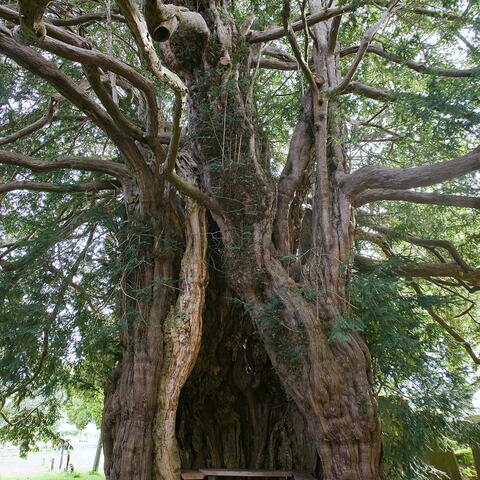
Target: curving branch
(37, 125)
(404, 178)
(426, 243)
(416, 66)
(99, 59)
(378, 194)
(94, 76)
(279, 32)
(59, 33)
(369, 92)
(138, 26)
(84, 19)
(32, 61)
(294, 175)
(115, 169)
(58, 187)
(296, 48)
(425, 270)
(365, 42)
(448, 328)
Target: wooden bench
(201, 473)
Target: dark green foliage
(423, 381)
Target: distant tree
(84, 407)
(228, 209)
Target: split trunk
(271, 387)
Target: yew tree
(217, 204)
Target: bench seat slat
(227, 472)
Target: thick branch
(426, 270)
(294, 175)
(275, 33)
(58, 187)
(377, 194)
(369, 92)
(99, 59)
(95, 78)
(417, 66)
(31, 19)
(35, 63)
(41, 122)
(274, 64)
(71, 163)
(52, 30)
(402, 178)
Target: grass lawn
(59, 476)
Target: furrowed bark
(379, 194)
(147, 271)
(181, 343)
(339, 408)
(295, 174)
(402, 178)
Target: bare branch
(450, 330)
(58, 187)
(333, 35)
(52, 30)
(273, 64)
(37, 64)
(41, 122)
(34, 62)
(83, 19)
(417, 66)
(192, 191)
(295, 47)
(402, 178)
(427, 243)
(369, 92)
(94, 76)
(275, 33)
(137, 24)
(99, 59)
(72, 163)
(375, 195)
(365, 42)
(278, 53)
(294, 175)
(426, 270)
(375, 238)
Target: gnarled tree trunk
(228, 413)
(328, 379)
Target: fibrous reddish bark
(272, 387)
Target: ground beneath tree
(11, 465)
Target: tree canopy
(84, 96)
